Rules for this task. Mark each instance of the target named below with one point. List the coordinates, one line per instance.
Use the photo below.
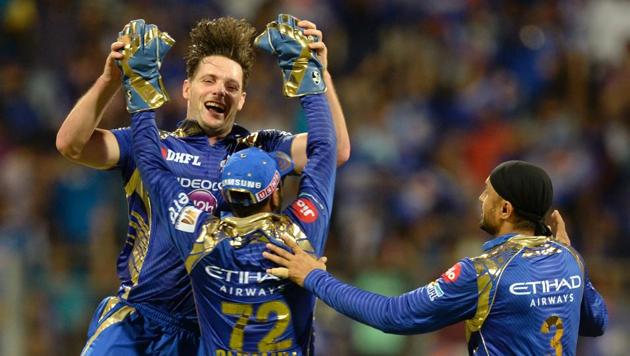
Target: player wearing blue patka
(528, 294)
(241, 308)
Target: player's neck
(212, 139)
(509, 228)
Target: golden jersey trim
(188, 128)
(489, 268)
(118, 316)
(142, 229)
(259, 227)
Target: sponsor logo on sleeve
(434, 290)
(453, 273)
(305, 210)
(188, 219)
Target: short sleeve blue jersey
(149, 270)
(526, 295)
(241, 308)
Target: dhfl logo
(453, 273)
(305, 210)
(203, 200)
(180, 157)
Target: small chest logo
(180, 157)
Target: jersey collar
(191, 129)
(490, 244)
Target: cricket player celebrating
(241, 308)
(153, 311)
(527, 294)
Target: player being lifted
(153, 311)
(528, 294)
(241, 308)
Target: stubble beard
(487, 226)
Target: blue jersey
(526, 295)
(148, 266)
(241, 308)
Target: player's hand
(559, 228)
(301, 68)
(144, 49)
(111, 72)
(317, 45)
(295, 266)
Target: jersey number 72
(264, 311)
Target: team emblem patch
(453, 273)
(305, 210)
(187, 219)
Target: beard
(488, 226)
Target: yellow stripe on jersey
(142, 229)
(118, 316)
(489, 268)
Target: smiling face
(215, 94)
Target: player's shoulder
(245, 138)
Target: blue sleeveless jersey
(241, 308)
(148, 267)
(526, 295)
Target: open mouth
(215, 107)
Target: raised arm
(145, 47)
(302, 77)
(593, 312)
(298, 147)
(78, 139)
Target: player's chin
(213, 120)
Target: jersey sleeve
(312, 208)
(593, 312)
(447, 300)
(275, 140)
(173, 206)
(125, 161)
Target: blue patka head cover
(255, 172)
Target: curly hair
(224, 36)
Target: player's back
(150, 271)
(530, 292)
(246, 309)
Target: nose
(220, 91)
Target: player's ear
(241, 101)
(186, 89)
(506, 209)
(276, 200)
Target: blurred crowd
(435, 93)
